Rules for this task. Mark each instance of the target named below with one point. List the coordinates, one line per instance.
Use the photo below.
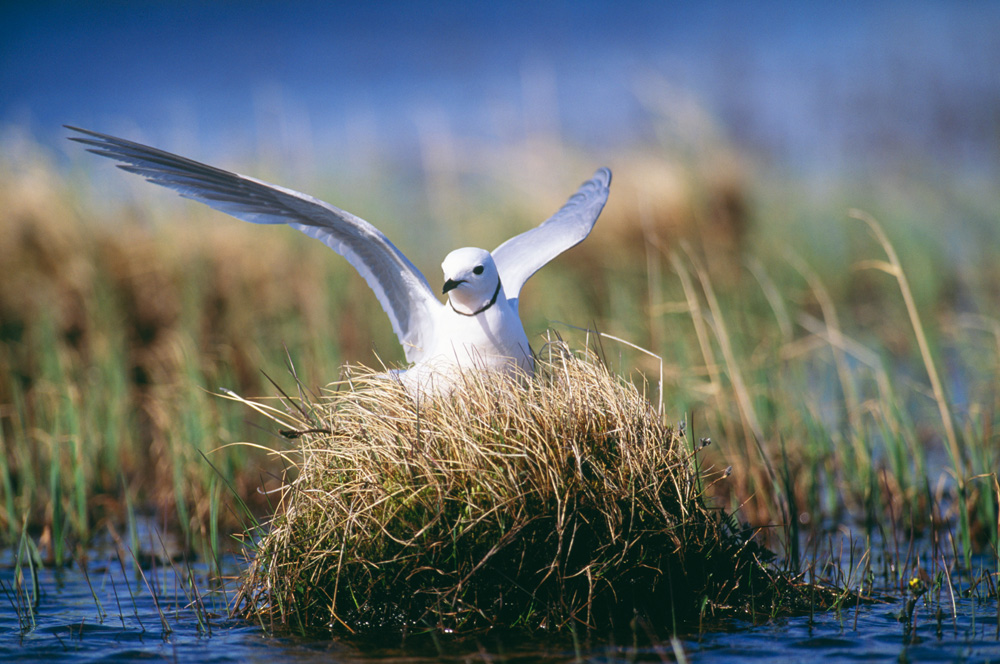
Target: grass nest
(559, 502)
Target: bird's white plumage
(479, 327)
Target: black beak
(451, 284)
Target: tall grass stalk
(152, 594)
(214, 549)
(57, 518)
(8, 487)
(753, 431)
(27, 593)
(773, 296)
(832, 323)
(959, 462)
(120, 553)
(748, 414)
(695, 311)
(996, 551)
(82, 566)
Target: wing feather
(401, 289)
(521, 256)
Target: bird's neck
(461, 308)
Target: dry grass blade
(752, 430)
(832, 323)
(895, 268)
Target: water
(187, 626)
(821, 86)
(877, 637)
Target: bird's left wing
(401, 289)
(521, 256)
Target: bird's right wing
(401, 289)
(521, 256)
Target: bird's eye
(478, 269)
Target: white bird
(478, 328)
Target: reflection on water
(109, 615)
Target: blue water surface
(189, 622)
(838, 87)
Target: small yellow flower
(917, 586)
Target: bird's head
(471, 280)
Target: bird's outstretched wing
(399, 286)
(521, 256)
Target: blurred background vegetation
(843, 388)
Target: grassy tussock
(559, 502)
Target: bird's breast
(494, 337)
(493, 341)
